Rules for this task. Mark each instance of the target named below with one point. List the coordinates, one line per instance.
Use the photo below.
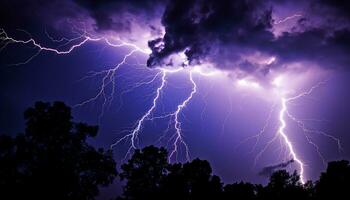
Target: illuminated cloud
(262, 45)
(254, 37)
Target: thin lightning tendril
(174, 119)
(107, 88)
(282, 135)
(134, 133)
(289, 144)
(178, 135)
(108, 85)
(287, 18)
(108, 79)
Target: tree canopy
(149, 176)
(52, 159)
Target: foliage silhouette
(283, 185)
(335, 182)
(246, 191)
(148, 175)
(192, 180)
(144, 173)
(52, 159)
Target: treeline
(51, 160)
(148, 175)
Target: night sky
(242, 74)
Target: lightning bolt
(174, 119)
(85, 38)
(108, 79)
(283, 114)
(178, 134)
(177, 138)
(134, 133)
(287, 19)
(107, 87)
(289, 144)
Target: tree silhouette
(192, 180)
(335, 182)
(144, 173)
(52, 159)
(246, 191)
(201, 182)
(174, 184)
(283, 185)
(150, 176)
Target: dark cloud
(222, 32)
(267, 171)
(98, 16)
(323, 38)
(340, 7)
(118, 15)
(34, 14)
(316, 45)
(199, 26)
(225, 32)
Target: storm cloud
(211, 30)
(267, 171)
(226, 33)
(230, 35)
(119, 15)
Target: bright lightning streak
(133, 135)
(287, 18)
(284, 112)
(281, 133)
(4, 37)
(108, 79)
(177, 138)
(178, 134)
(286, 139)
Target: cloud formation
(235, 35)
(268, 171)
(211, 31)
(227, 33)
(120, 15)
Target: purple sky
(245, 57)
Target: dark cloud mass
(316, 45)
(209, 30)
(267, 171)
(96, 16)
(36, 13)
(118, 15)
(224, 33)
